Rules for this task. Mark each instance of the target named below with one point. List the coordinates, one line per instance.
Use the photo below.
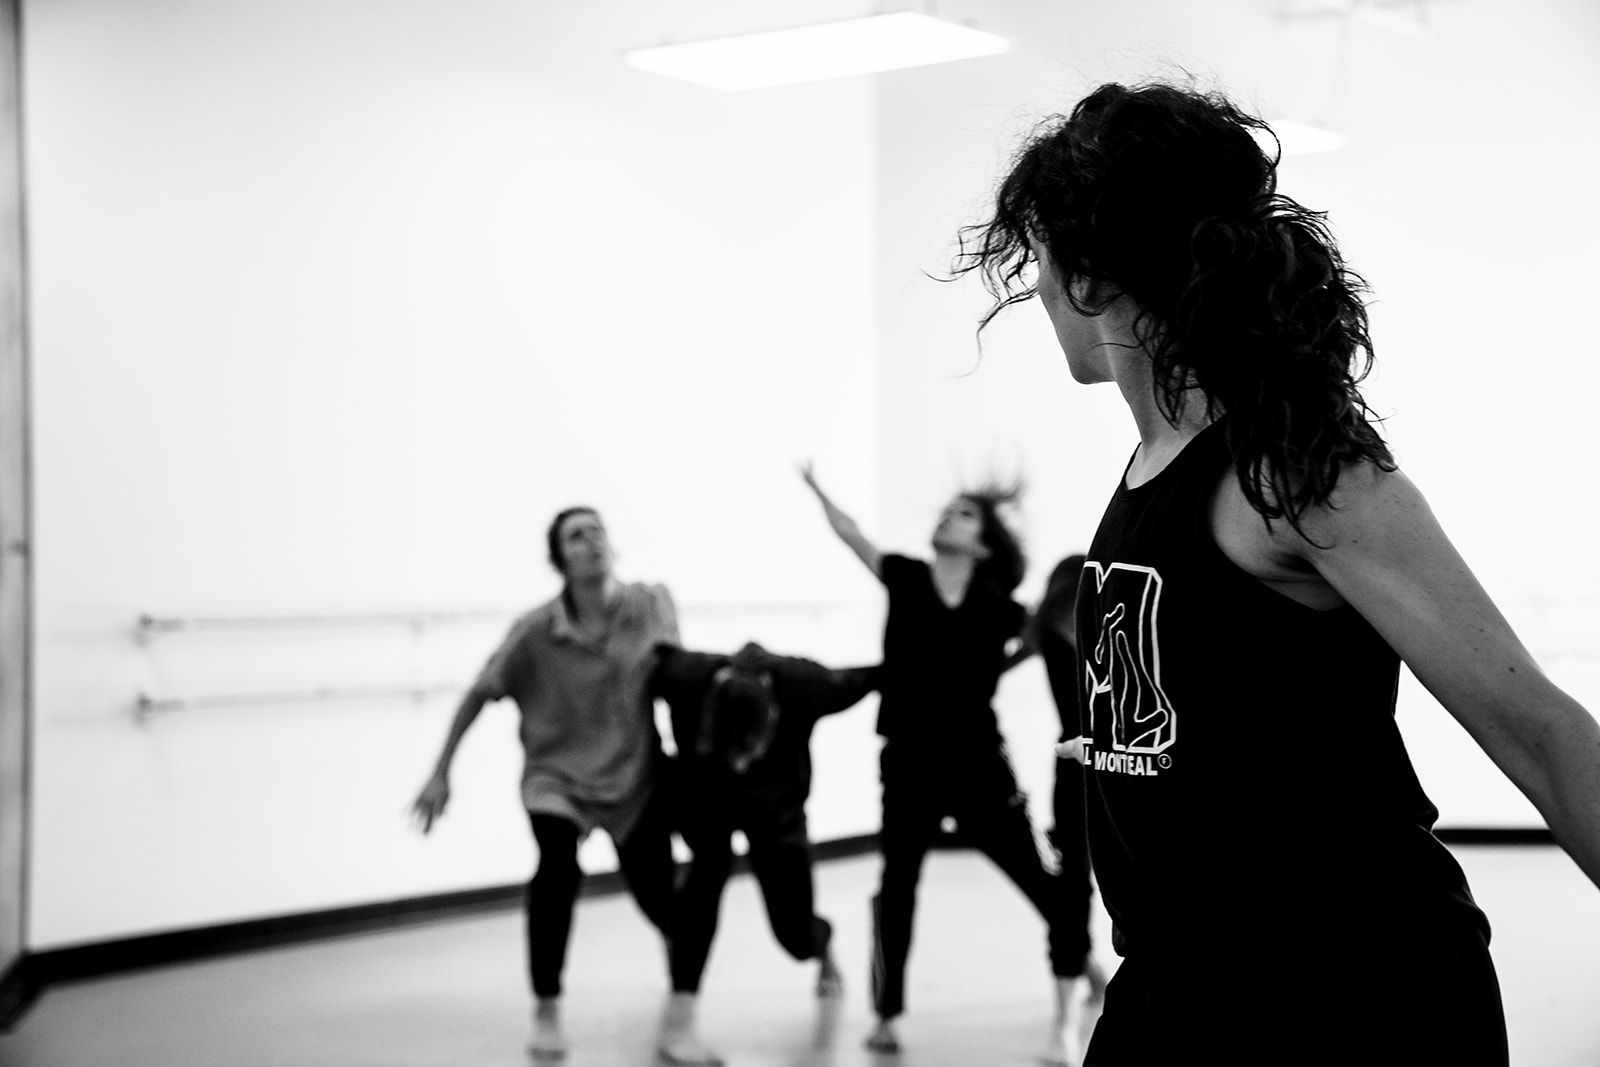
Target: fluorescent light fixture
(812, 53)
(1300, 138)
(1407, 22)
(1409, 18)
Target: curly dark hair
(1006, 563)
(1162, 193)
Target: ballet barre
(147, 626)
(150, 625)
(145, 705)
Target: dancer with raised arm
(579, 670)
(1261, 840)
(950, 627)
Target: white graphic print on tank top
(1122, 673)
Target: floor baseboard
(18, 990)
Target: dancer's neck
(1160, 438)
(591, 600)
(952, 574)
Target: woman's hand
(809, 473)
(430, 802)
(844, 525)
(1074, 750)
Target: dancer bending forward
(743, 727)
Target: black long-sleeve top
(779, 781)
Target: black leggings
(644, 859)
(780, 859)
(992, 814)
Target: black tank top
(1246, 775)
(941, 665)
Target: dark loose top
(941, 664)
(777, 783)
(1245, 773)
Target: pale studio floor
(452, 992)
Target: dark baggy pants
(980, 792)
(780, 860)
(645, 862)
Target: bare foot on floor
(1077, 1010)
(546, 1041)
(687, 1050)
(680, 1039)
(883, 1038)
(1063, 1048)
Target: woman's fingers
(429, 806)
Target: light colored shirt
(588, 723)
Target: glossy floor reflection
(453, 993)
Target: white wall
(1465, 196)
(335, 305)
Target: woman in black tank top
(1261, 841)
(945, 645)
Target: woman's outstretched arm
(845, 526)
(1387, 555)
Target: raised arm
(845, 526)
(1388, 557)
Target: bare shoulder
(1372, 509)
(1269, 552)
(1368, 505)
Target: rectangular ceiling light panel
(1304, 139)
(812, 53)
(1298, 138)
